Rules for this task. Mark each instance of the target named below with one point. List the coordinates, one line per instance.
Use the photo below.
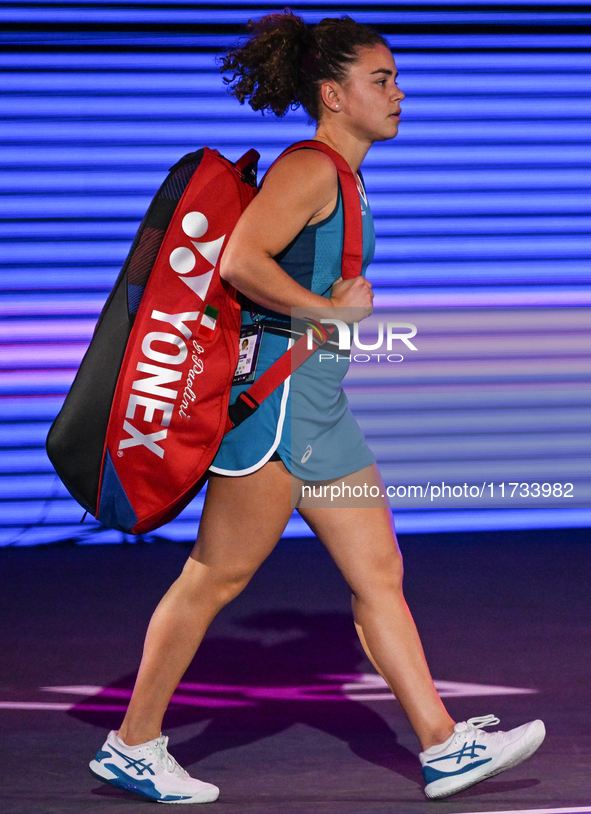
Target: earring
(337, 107)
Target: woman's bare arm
(300, 189)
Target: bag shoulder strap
(352, 260)
(351, 265)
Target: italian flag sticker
(208, 322)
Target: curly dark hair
(284, 62)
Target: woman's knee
(381, 578)
(217, 584)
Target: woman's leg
(243, 518)
(363, 544)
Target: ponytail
(284, 62)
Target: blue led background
(483, 199)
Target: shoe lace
(483, 720)
(164, 758)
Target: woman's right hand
(355, 293)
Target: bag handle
(247, 167)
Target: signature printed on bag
(189, 394)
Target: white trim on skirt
(234, 473)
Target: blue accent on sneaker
(102, 754)
(135, 763)
(465, 751)
(145, 787)
(431, 774)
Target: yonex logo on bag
(170, 350)
(183, 260)
(166, 348)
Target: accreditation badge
(248, 354)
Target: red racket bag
(148, 408)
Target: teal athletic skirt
(306, 421)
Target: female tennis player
(286, 253)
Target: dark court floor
(280, 708)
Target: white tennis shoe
(149, 771)
(471, 755)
